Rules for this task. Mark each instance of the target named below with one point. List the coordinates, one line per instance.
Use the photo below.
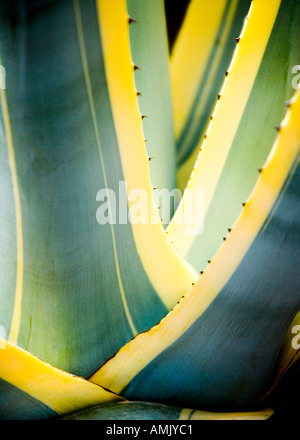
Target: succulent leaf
(225, 335)
(242, 133)
(65, 278)
(30, 389)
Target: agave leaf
(217, 348)
(201, 54)
(149, 51)
(31, 389)
(171, 275)
(65, 279)
(154, 411)
(242, 129)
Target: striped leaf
(242, 130)
(31, 389)
(217, 348)
(74, 291)
(201, 54)
(149, 51)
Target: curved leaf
(201, 54)
(242, 129)
(218, 346)
(149, 51)
(66, 278)
(31, 389)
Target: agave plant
(133, 315)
